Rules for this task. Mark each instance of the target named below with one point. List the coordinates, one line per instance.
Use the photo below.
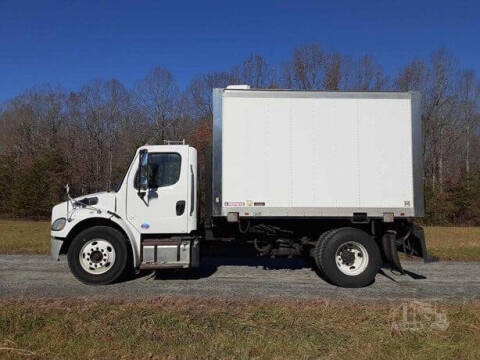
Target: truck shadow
(393, 274)
(209, 266)
(214, 257)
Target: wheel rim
(351, 258)
(97, 256)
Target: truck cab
(149, 222)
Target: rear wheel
(316, 250)
(348, 257)
(98, 255)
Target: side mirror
(143, 172)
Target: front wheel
(98, 255)
(348, 257)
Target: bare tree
(98, 128)
(469, 96)
(254, 71)
(411, 77)
(440, 122)
(157, 96)
(199, 92)
(306, 70)
(367, 75)
(333, 72)
(100, 109)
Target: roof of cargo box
(246, 91)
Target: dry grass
(194, 329)
(24, 237)
(448, 243)
(454, 243)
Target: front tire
(98, 255)
(348, 257)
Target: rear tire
(98, 255)
(348, 257)
(316, 250)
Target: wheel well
(77, 229)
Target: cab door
(163, 208)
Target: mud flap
(413, 244)
(389, 247)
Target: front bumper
(55, 247)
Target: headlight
(59, 224)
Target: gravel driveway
(32, 276)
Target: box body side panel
(316, 155)
(384, 153)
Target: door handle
(180, 207)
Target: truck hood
(104, 201)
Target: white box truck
(336, 176)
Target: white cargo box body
(317, 154)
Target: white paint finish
(100, 211)
(238, 87)
(105, 252)
(131, 210)
(159, 211)
(384, 153)
(358, 261)
(316, 152)
(321, 129)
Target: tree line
(50, 136)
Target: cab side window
(164, 169)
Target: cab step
(169, 253)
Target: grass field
(189, 328)
(448, 243)
(454, 243)
(196, 329)
(24, 237)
